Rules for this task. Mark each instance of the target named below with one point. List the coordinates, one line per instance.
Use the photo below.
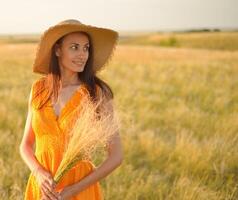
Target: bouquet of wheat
(89, 131)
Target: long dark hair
(87, 76)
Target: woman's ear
(57, 50)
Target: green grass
(178, 108)
(202, 40)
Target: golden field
(179, 116)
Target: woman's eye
(86, 48)
(74, 47)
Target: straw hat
(103, 42)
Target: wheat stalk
(89, 131)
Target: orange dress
(50, 136)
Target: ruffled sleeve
(38, 91)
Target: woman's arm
(27, 143)
(114, 159)
(43, 177)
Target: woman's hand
(65, 194)
(46, 184)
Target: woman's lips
(78, 62)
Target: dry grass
(88, 132)
(179, 132)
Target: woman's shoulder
(38, 91)
(98, 89)
(103, 91)
(40, 82)
(100, 92)
(38, 85)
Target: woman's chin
(77, 70)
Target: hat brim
(103, 42)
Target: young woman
(69, 55)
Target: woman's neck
(69, 78)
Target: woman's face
(73, 52)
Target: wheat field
(179, 118)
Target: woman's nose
(81, 53)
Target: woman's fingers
(44, 197)
(48, 195)
(50, 180)
(49, 190)
(50, 183)
(47, 185)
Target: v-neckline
(62, 111)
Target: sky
(33, 17)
